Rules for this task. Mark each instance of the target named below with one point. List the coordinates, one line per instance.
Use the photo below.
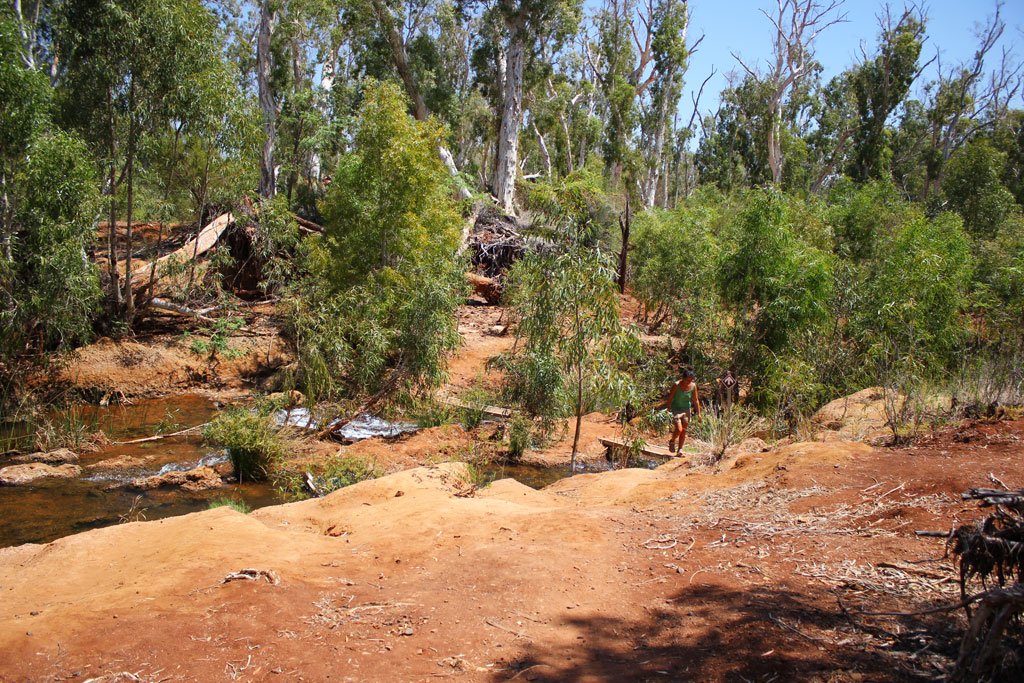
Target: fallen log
(487, 287)
(309, 226)
(207, 237)
(165, 305)
(490, 411)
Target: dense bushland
(817, 236)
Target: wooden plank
(648, 449)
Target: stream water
(51, 508)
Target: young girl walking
(682, 402)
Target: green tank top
(682, 400)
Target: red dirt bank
(629, 575)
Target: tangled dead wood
(993, 546)
(497, 241)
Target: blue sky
(737, 26)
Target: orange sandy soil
(756, 573)
(159, 361)
(752, 571)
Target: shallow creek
(51, 508)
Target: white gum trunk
(268, 104)
(511, 122)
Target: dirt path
(630, 575)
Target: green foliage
(910, 321)
(253, 442)
(879, 85)
(915, 290)
(477, 397)
(774, 280)
(572, 350)
(234, 503)
(169, 422)
(50, 288)
(344, 471)
(430, 413)
(675, 264)
(974, 189)
(384, 282)
(215, 337)
(520, 436)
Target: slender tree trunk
(199, 218)
(401, 60)
(545, 158)
(326, 86)
(775, 145)
(115, 286)
(5, 218)
(511, 122)
(28, 34)
(568, 142)
(133, 131)
(579, 411)
(623, 254)
(651, 186)
(268, 102)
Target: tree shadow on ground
(713, 633)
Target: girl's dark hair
(687, 373)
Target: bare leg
(677, 429)
(682, 425)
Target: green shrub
(432, 414)
(233, 503)
(477, 397)
(376, 310)
(520, 436)
(338, 473)
(253, 441)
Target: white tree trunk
(654, 163)
(545, 157)
(775, 145)
(511, 122)
(268, 103)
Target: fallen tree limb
(338, 425)
(203, 242)
(309, 226)
(165, 305)
(157, 437)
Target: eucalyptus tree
(670, 21)
(879, 86)
(125, 63)
(269, 97)
(24, 104)
(640, 59)
(48, 287)
(968, 99)
(415, 33)
(526, 26)
(796, 24)
(572, 348)
(377, 309)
